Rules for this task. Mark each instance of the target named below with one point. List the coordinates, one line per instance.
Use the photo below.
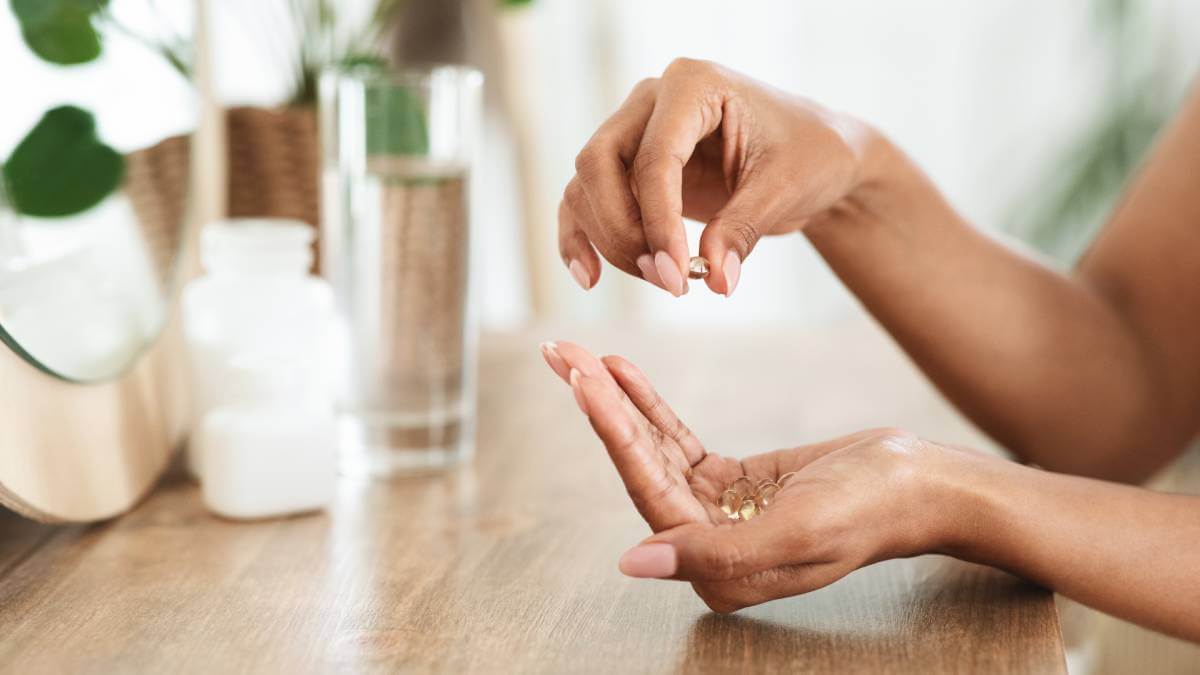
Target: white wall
(981, 94)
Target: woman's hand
(852, 501)
(709, 144)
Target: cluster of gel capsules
(744, 500)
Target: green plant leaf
(61, 167)
(60, 31)
(515, 3)
(395, 121)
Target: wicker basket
(156, 182)
(274, 164)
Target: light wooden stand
(84, 452)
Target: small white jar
(268, 450)
(257, 297)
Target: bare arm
(1126, 551)
(1096, 373)
(875, 495)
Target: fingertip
(624, 369)
(580, 274)
(645, 263)
(579, 358)
(731, 269)
(613, 361)
(669, 273)
(649, 561)
(555, 360)
(593, 390)
(725, 263)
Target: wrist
(966, 501)
(889, 194)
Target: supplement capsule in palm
(748, 509)
(766, 494)
(744, 487)
(730, 503)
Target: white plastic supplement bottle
(257, 297)
(268, 449)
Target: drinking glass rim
(410, 75)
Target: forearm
(1126, 551)
(1036, 358)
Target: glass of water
(398, 153)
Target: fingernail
(578, 391)
(649, 561)
(554, 360)
(732, 267)
(646, 264)
(580, 274)
(669, 272)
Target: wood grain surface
(509, 564)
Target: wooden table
(509, 565)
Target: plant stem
(174, 59)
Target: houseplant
(61, 167)
(273, 153)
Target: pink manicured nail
(732, 267)
(554, 360)
(669, 272)
(580, 274)
(646, 264)
(649, 561)
(578, 390)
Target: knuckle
(744, 232)
(686, 67)
(895, 439)
(649, 163)
(646, 85)
(642, 163)
(588, 161)
(725, 561)
(574, 199)
(676, 428)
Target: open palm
(670, 477)
(837, 513)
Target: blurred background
(1030, 114)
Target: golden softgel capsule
(730, 503)
(766, 493)
(748, 509)
(744, 500)
(697, 267)
(744, 487)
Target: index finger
(603, 174)
(661, 495)
(687, 110)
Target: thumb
(705, 552)
(730, 236)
